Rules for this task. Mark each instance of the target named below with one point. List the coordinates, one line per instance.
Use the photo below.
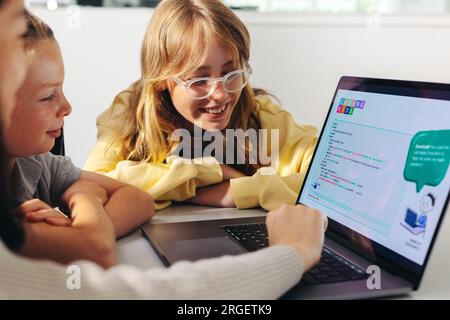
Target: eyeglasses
(202, 88)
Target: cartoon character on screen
(417, 222)
(426, 206)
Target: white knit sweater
(265, 274)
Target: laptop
(380, 175)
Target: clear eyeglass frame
(211, 83)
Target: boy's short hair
(37, 30)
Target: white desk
(135, 250)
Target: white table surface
(135, 250)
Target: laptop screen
(380, 170)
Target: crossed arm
(101, 210)
(127, 206)
(219, 194)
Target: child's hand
(301, 227)
(36, 210)
(216, 195)
(85, 187)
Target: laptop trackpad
(196, 249)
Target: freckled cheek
(36, 126)
(19, 121)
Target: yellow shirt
(177, 179)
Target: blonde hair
(176, 42)
(37, 30)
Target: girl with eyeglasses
(195, 78)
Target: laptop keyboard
(331, 268)
(251, 236)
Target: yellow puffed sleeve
(296, 146)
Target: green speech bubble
(428, 158)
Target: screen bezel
(381, 255)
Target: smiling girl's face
(41, 106)
(214, 112)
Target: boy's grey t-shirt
(44, 176)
